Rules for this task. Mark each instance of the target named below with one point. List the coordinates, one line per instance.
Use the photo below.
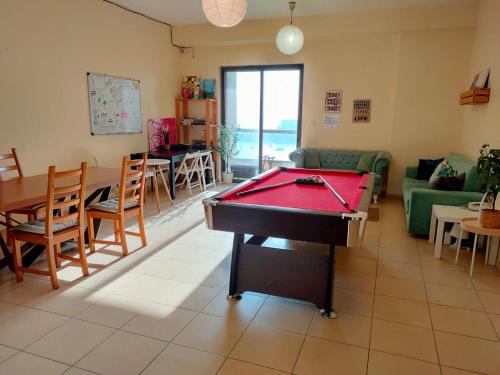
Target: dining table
(32, 190)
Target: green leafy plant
(488, 164)
(227, 145)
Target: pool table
(296, 212)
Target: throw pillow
(311, 159)
(448, 171)
(365, 162)
(426, 167)
(453, 183)
(437, 171)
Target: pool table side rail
(291, 223)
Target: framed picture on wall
(333, 101)
(361, 111)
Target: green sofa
(419, 197)
(344, 159)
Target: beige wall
(482, 122)
(411, 63)
(46, 49)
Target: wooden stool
(472, 225)
(155, 167)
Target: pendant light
(290, 38)
(225, 13)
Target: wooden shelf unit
(210, 126)
(475, 96)
(210, 117)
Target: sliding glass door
(263, 104)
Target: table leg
(237, 242)
(7, 256)
(327, 312)
(494, 248)
(157, 192)
(439, 239)
(171, 178)
(165, 184)
(432, 231)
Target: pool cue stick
(339, 197)
(243, 193)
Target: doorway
(264, 105)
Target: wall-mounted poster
(115, 104)
(333, 101)
(361, 110)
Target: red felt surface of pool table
(309, 197)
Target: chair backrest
(206, 159)
(11, 168)
(65, 197)
(190, 160)
(132, 182)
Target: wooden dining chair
(189, 167)
(207, 164)
(128, 204)
(64, 220)
(14, 172)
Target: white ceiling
(178, 12)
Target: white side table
(445, 214)
(452, 214)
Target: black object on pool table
(311, 180)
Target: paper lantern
(290, 39)
(225, 13)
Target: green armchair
(344, 159)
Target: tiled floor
(162, 310)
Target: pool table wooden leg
(237, 242)
(327, 312)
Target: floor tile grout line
(373, 302)
(178, 333)
(432, 324)
(242, 333)
(305, 336)
(485, 310)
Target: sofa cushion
(473, 180)
(365, 162)
(311, 159)
(411, 183)
(38, 226)
(426, 167)
(449, 183)
(111, 205)
(339, 159)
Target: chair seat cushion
(38, 226)
(111, 205)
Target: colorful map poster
(115, 104)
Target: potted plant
(227, 148)
(488, 164)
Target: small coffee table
(452, 214)
(445, 214)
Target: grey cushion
(38, 226)
(111, 205)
